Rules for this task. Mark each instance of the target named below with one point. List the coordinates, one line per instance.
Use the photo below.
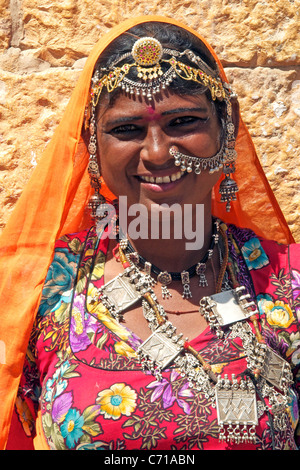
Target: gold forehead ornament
(147, 53)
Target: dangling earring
(228, 187)
(96, 199)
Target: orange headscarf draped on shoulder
(54, 203)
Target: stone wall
(43, 46)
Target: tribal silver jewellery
(164, 278)
(188, 163)
(143, 64)
(268, 375)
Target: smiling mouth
(163, 179)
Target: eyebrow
(184, 110)
(125, 119)
(120, 120)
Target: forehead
(126, 105)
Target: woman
(108, 364)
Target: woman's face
(134, 139)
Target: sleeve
(294, 343)
(59, 277)
(22, 430)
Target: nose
(156, 147)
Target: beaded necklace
(164, 277)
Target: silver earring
(228, 187)
(93, 169)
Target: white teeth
(162, 179)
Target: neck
(176, 253)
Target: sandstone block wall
(44, 44)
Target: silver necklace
(164, 277)
(235, 400)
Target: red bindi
(153, 116)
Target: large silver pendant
(226, 308)
(236, 410)
(160, 349)
(273, 368)
(276, 370)
(123, 291)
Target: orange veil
(54, 202)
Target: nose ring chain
(188, 163)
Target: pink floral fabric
(83, 373)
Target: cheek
(113, 171)
(206, 143)
(215, 131)
(110, 170)
(107, 154)
(112, 181)
(106, 162)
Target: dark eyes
(186, 120)
(176, 124)
(125, 129)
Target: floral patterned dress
(85, 389)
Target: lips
(162, 179)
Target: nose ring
(189, 163)
(185, 161)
